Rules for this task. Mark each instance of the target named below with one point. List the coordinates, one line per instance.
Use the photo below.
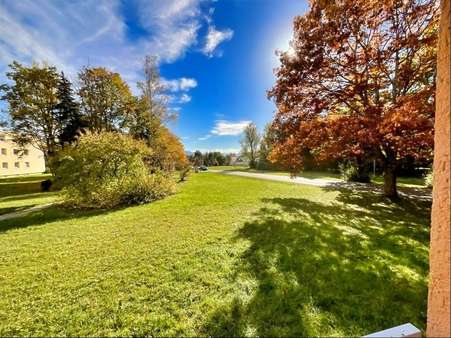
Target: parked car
(203, 168)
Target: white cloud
(203, 138)
(181, 84)
(221, 150)
(65, 34)
(185, 98)
(71, 34)
(223, 127)
(173, 24)
(214, 38)
(186, 84)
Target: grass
(225, 256)
(406, 182)
(22, 192)
(229, 167)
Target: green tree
(146, 120)
(68, 113)
(197, 158)
(105, 99)
(266, 145)
(32, 98)
(249, 144)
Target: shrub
(46, 185)
(353, 173)
(104, 170)
(184, 173)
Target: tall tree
(105, 99)
(249, 144)
(67, 112)
(358, 82)
(32, 98)
(197, 158)
(150, 112)
(168, 153)
(265, 149)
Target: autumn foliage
(358, 83)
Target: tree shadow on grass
(328, 269)
(27, 196)
(21, 188)
(355, 189)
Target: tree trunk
(390, 190)
(363, 171)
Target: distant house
(16, 160)
(237, 160)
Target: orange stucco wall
(439, 315)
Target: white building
(15, 160)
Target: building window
(16, 164)
(26, 152)
(3, 151)
(5, 165)
(16, 151)
(27, 164)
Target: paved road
(417, 193)
(24, 212)
(297, 180)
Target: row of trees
(358, 84)
(48, 112)
(213, 158)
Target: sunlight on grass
(225, 256)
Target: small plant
(352, 173)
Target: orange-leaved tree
(358, 83)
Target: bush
(353, 173)
(184, 173)
(104, 170)
(46, 185)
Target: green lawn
(407, 182)
(22, 192)
(224, 256)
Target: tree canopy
(105, 99)
(358, 82)
(46, 112)
(250, 143)
(32, 98)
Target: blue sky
(216, 57)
